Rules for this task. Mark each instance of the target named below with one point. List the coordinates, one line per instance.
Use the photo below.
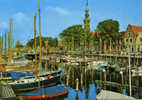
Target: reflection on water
(92, 92)
(88, 88)
(81, 95)
(78, 95)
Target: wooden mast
(46, 48)
(13, 44)
(10, 38)
(35, 48)
(11, 30)
(40, 54)
(2, 44)
(5, 44)
(8, 44)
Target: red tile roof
(136, 29)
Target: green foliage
(75, 31)
(96, 41)
(53, 42)
(87, 39)
(18, 44)
(108, 29)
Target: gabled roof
(134, 29)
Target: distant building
(133, 38)
(95, 34)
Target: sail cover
(17, 75)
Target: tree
(88, 39)
(96, 43)
(109, 32)
(18, 44)
(52, 42)
(74, 31)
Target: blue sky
(57, 15)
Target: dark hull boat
(32, 83)
(42, 93)
(13, 75)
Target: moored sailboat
(26, 83)
(42, 93)
(31, 83)
(41, 78)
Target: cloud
(3, 25)
(22, 26)
(62, 11)
(59, 10)
(20, 17)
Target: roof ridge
(135, 26)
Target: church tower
(87, 19)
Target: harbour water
(87, 87)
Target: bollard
(81, 78)
(67, 80)
(77, 84)
(68, 76)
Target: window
(138, 49)
(141, 39)
(130, 40)
(126, 40)
(132, 49)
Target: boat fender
(49, 75)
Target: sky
(57, 15)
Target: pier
(115, 84)
(7, 93)
(135, 59)
(105, 81)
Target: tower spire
(87, 19)
(87, 4)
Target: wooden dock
(123, 58)
(115, 84)
(7, 93)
